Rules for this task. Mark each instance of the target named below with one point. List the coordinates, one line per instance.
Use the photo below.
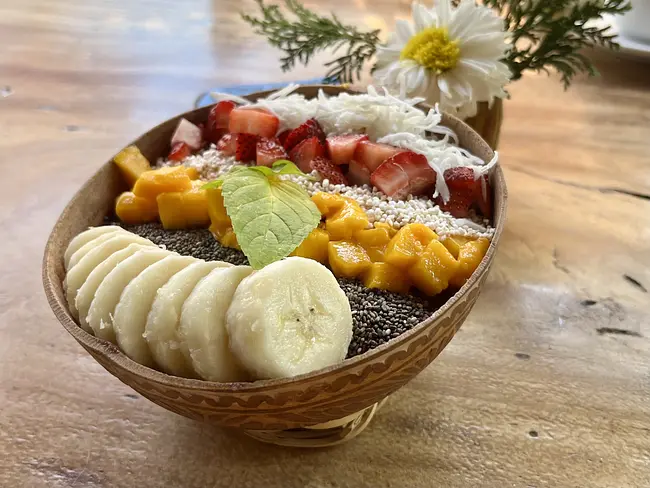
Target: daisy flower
(448, 56)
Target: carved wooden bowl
(319, 408)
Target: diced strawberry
(283, 136)
(358, 174)
(179, 151)
(466, 191)
(253, 121)
(328, 170)
(269, 151)
(242, 146)
(372, 154)
(188, 133)
(341, 148)
(309, 129)
(304, 152)
(218, 118)
(458, 205)
(403, 174)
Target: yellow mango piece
(433, 269)
(183, 210)
(374, 241)
(347, 259)
(470, 256)
(229, 239)
(170, 209)
(132, 209)
(170, 179)
(216, 208)
(346, 221)
(132, 164)
(386, 277)
(314, 246)
(195, 208)
(382, 225)
(192, 172)
(409, 242)
(454, 243)
(328, 203)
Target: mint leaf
(270, 216)
(212, 184)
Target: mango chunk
(374, 241)
(170, 179)
(343, 216)
(433, 269)
(383, 225)
(347, 259)
(314, 246)
(328, 203)
(409, 242)
(454, 243)
(386, 277)
(132, 164)
(132, 209)
(216, 208)
(229, 239)
(183, 210)
(470, 256)
(192, 172)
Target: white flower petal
(386, 55)
(422, 16)
(443, 12)
(404, 31)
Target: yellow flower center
(432, 49)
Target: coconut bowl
(323, 407)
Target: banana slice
(87, 291)
(135, 303)
(161, 331)
(89, 246)
(84, 238)
(78, 273)
(202, 330)
(289, 318)
(100, 313)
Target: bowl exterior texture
(305, 400)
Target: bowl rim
(114, 354)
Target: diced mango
(470, 256)
(229, 239)
(409, 242)
(170, 179)
(386, 277)
(192, 172)
(374, 241)
(346, 221)
(382, 225)
(314, 246)
(183, 210)
(328, 203)
(216, 208)
(433, 269)
(132, 209)
(132, 164)
(454, 243)
(347, 259)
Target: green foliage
(301, 38)
(551, 33)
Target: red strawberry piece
(358, 174)
(188, 133)
(372, 154)
(309, 129)
(304, 152)
(403, 174)
(465, 187)
(268, 151)
(218, 118)
(341, 148)
(458, 205)
(328, 170)
(253, 121)
(179, 152)
(242, 146)
(283, 136)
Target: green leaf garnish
(270, 216)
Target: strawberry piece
(458, 205)
(179, 151)
(403, 174)
(309, 129)
(253, 121)
(328, 170)
(466, 191)
(341, 148)
(358, 174)
(304, 152)
(188, 133)
(218, 118)
(372, 154)
(242, 146)
(283, 136)
(268, 151)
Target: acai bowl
(188, 302)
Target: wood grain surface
(546, 385)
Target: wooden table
(546, 385)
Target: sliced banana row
(208, 320)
